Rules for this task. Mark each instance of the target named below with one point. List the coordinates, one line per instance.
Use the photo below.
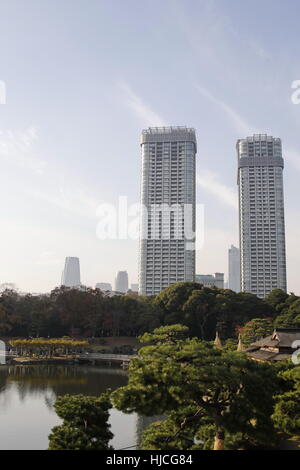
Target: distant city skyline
(73, 113)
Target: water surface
(27, 395)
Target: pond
(27, 395)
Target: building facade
(261, 214)
(167, 242)
(121, 284)
(104, 286)
(134, 287)
(234, 271)
(210, 280)
(71, 272)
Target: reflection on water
(27, 395)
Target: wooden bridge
(121, 359)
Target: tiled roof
(262, 355)
(281, 337)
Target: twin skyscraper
(168, 220)
(168, 198)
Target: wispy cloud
(206, 34)
(48, 258)
(210, 182)
(17, 148)
(259, 50)
(242, 127)
(140, 108)
(76, 201)
(293, 156)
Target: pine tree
(196, 385)
(287, 409)
(85, 423)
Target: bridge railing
(108, 357)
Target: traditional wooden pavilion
(280, 345)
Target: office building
(210, 280)
(167, 244)
(71, 272)
(121, 284)
(261, 214)
(134, 287)
(234, 271)
(104, 286)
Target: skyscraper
(71, 272)
(121, 282)
(167, 243)
(261, 210)
(234, 271)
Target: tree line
(90, 313)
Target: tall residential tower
(167, 244)
(261, 210)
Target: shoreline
(62, 361)
(25, 361)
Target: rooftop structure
(280, 345)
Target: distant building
(234, 271)
(277, 347)
(134, 287)
(71, 272)
(112, 293)
(210, 280)
(121, 284)
(104, 286)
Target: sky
(83, 78)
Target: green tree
(277, 298)
(5, 325)
(287, 409)
(205, 310)
(256, 329)
(199, 313)
(291, 317)
(85, 423)
(195, 384)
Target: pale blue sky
(84, 77)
